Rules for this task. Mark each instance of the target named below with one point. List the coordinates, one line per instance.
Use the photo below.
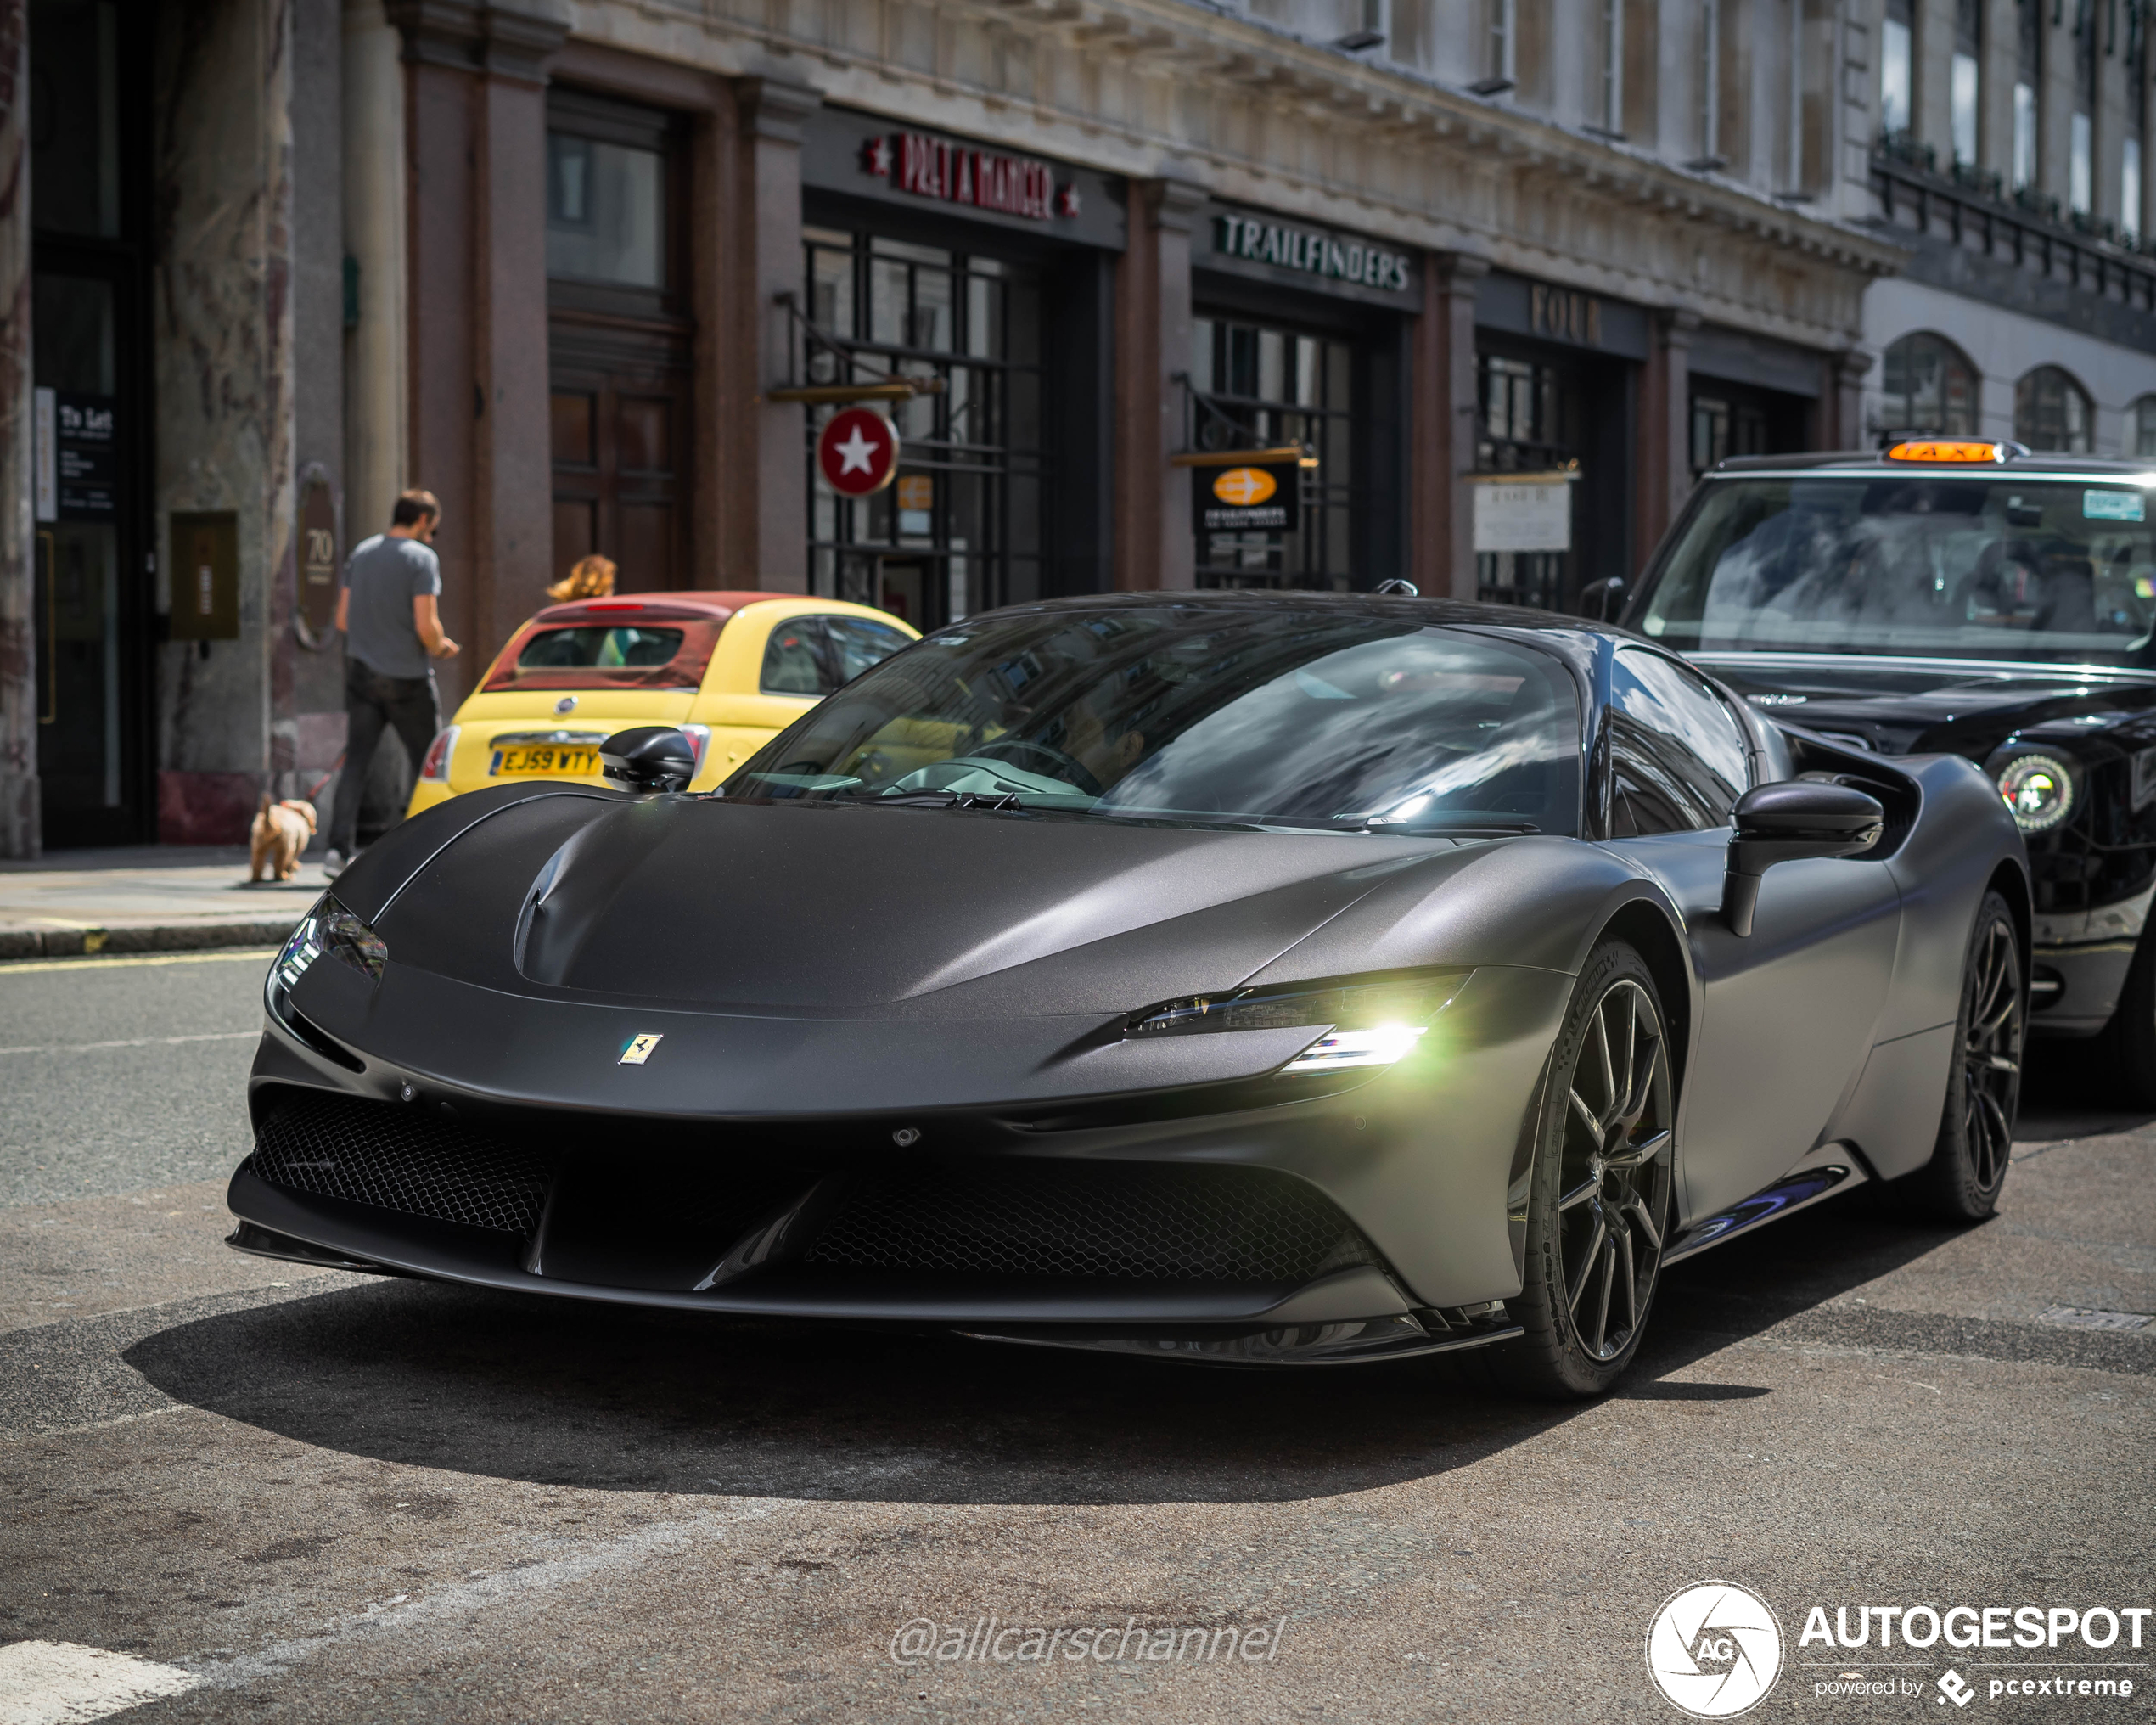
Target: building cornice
(1155, 88)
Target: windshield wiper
(1472, 829)
(942, 799)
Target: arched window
(2141, 426)
(2050, 411)
(1930, 387)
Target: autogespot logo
(1715, 1649)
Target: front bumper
(2079, 964)
(1415, 1165)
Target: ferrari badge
(639, 1050)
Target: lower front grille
(401, 1159)
(1117, 1221)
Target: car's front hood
(821, 911)
(1926, 705)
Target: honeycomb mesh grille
(402, 1159)
(1092, 1221)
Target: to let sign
(1253, 499)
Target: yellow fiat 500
(731, 669)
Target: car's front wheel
(2130, 1039)
(1598, 1206)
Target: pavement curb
(159, 937)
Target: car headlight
(329, 928)
(1367, 1024)
(2038, 788)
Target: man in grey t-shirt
(390, 610)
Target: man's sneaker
(333, 865)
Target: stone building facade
(594, 271)
(2003, 146)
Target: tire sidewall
(1550, 1358)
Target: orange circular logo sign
(1244, 485)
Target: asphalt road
(330, 1498)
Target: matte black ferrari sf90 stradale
(1250, 978)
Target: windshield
(1926, 566)
(608, 656)
(1272, 715)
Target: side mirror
(1602, 600)
(650, 758)
(1782, 823)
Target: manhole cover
(2085, 1317)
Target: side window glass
(1644, 797)
(793, 659)
(858, 643)
(1695, 735)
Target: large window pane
(605, 212)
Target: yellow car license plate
(552, 760)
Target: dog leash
(325, 778)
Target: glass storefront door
(91, 604)
(1261, 386)
(958, 531)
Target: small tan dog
(280, 832)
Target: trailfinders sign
(1295, 253)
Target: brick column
(1154, 545)
(1845, 404)
(477, 250)
(1443, 422)
(20, 825)
(769, 546)
(1665, 477)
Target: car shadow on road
(556, 1392)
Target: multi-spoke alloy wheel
(1616, 1171)
(1599, 1210)
(1968, 1166)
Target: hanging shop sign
(863, 157)
(1295, 253)
(1523, 511)
(1249, 499)
(315, 613)
(856, 452)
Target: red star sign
(876, 157)
(856, 452)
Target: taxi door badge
(639, 1049)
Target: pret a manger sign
(934, 167)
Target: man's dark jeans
(374, 703)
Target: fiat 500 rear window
(608, 656)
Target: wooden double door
(621, 434)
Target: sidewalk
(146, 898)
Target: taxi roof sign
(1951, 450)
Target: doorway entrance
(92, 603)
(619, 344)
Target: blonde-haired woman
(592, 579)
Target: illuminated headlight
(329, 928)
(1367, 1023)
(2040, 790)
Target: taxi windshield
(1277, 716)
(1922, 564)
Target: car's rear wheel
(1967, 1167)
(1599, 1204)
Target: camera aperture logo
(1715, 1649)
